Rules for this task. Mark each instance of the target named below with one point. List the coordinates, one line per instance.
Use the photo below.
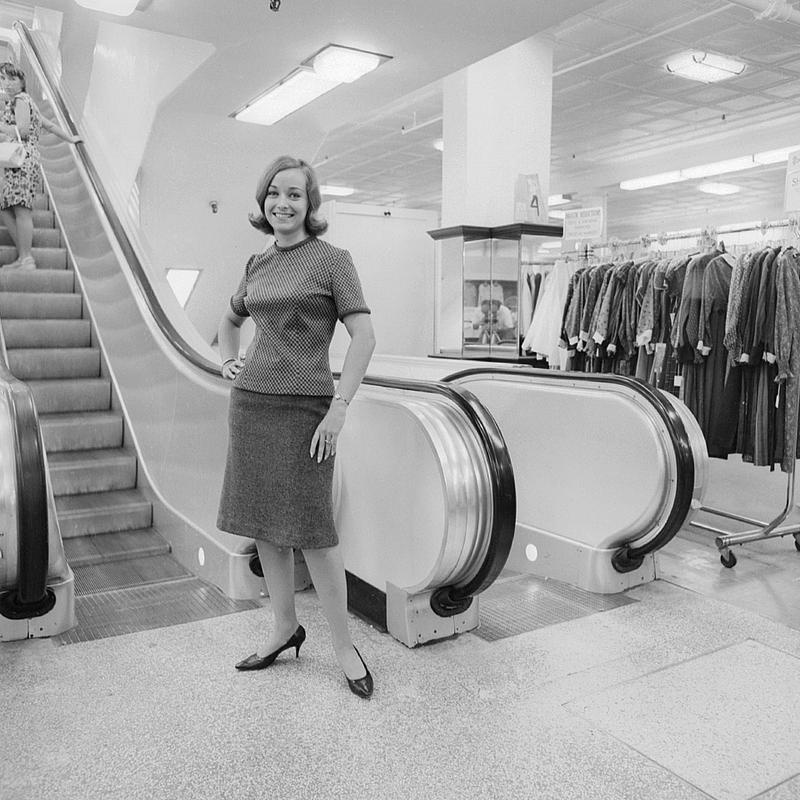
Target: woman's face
(9, 85)
(286, 206)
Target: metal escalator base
(517, 604)
(147, 606)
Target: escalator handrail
(628, 557)
(490, 437)
(114, 222)
(30, 597)
(450, 600)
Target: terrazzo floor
(688, 692)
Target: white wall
(394, 258)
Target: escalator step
(526, 603)
(148, 607)
(103, 577)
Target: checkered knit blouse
(295, 295)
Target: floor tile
(727, 722)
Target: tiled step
(45, 257)
(58, 362)
(101, 548)
(102, 512)
(42, 237)
(47, 332)
(71, 394)
(37, 280)
(43, 218)
(88, 430)
(96, 578)
(84, 471)
(40, 305)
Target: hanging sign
(792, 194)
(583, 224)
(529, 206)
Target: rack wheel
(728, 559)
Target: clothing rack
(709, 235)
(762, 530)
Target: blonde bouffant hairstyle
(315, 226)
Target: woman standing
(285, 413)
(19, 115)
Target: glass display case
(481, 279)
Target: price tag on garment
(791, 200)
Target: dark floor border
(366, 602)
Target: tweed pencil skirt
(273, 489)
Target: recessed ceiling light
(336, 191)
(122, 8)
(704, 67)
(719, 188)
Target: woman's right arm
(229, 336)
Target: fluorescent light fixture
(704, 67)
(662, 179)
(558, 199)
(707, 170)
(344, 64)
(719, 188)
(439, 145)
(553, 245)
(182, 280)
(317, 75)
(295, 91)
(774, 156)
(337, 191)
(122, 8)
(718, 168)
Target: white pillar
(496, 126)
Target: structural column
(497, 116)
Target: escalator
(607, 468)
(151, 375)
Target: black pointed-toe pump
(361, 686)
(255, 661)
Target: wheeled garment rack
(765, 530)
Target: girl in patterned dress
(19, 185)
(285, 412)
(19, 114)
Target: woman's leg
(10, 221)
(327, 573)
(24, 221)
(277, 564)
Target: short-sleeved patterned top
(295, 295)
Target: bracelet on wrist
(337, 396)
(228, 361)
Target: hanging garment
(787, 345)
(545, 329)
